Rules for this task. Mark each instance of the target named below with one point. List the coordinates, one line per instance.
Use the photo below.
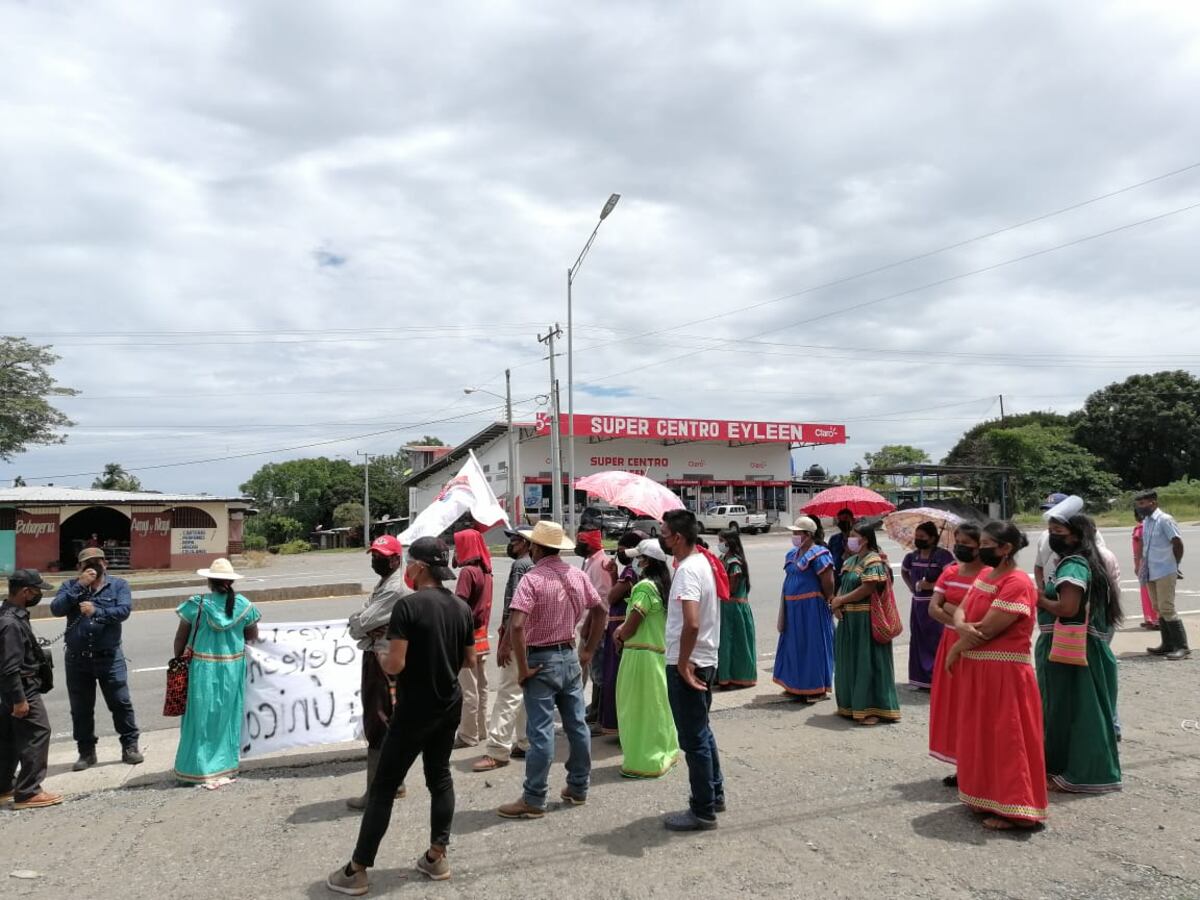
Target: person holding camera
(95, 605)
(24, 725)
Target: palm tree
(115, 478)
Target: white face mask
(722, 548)
(854, 544)
(798, 540)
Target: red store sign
(642, 428)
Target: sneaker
(6, 797)
(719, 805)
(572, 798)
(347, 881)
(688, 821)
(520, 810)
(39, 801)
(131, 756)
(85, 761)
(435, 870)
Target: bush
(255, 542)
(293, 547)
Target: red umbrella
(858, 500)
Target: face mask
(623, 559)
(922, 543)
(798, 540)
(666, 548)
(1060, 545)
(381, 565)
(854, 544)
(580, 551)
(990, 556)
(408, 579)
(95, 565)
(1146, 512)
(511, 551)
(722, 548)
(34, 600)
(1138, 514)
(965, 554)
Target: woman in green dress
(737, 657)
(1079, 702)
(648, 738)
(864, 679)
(211, 731)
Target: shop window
(191, 517)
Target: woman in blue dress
(804, 656)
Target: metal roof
(65, 496)
(459, 453)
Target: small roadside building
(46, 527)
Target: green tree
(1045, 459)
(115, 478)
(307, 490)
(274, 529)
(431, 441)
(1146, 428)
(890, 456)
(973, 449)
(389, 497)
(26, 416)
(349, 515)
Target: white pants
(473, 726)
(508, 716)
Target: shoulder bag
(175, 703)
(886, 625)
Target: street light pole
(571, 273)
(366, 498)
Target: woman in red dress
(1000, 746)
(949, 593)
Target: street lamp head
(609, 206)
(468, 390)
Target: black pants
(24, 743)
(110, 672)
(430, 735)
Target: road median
(266, 595)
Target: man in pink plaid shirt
(547, 608)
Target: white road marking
(148, 669)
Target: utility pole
(366, 498)
(1001, 407)
(555, 453)
(514, 484)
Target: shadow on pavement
(382, 881)
(325, 811)
(631, 839)
(929, 790)
(832, 722)
(952, 825)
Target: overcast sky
(293, 223)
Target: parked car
(616, 520)
(737, 518)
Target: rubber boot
(372, 768)
(1167, 638)
(1179, 649)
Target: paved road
(148, 635)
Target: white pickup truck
(737, 518)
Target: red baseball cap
(387, 545)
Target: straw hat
(550, 534)
(220, 570)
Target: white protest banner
(303, 686)
(468, 491)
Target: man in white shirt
(693, 636)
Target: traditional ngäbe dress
(611, 660)
(737, 655)
(804, 653)
(211, 730)
(864, 676)
(925, 632)
(999, 746)
(943, 698)
(1079, 703)
(648, 740)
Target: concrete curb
(267, 595)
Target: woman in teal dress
(211, 730)
(864, 679)
(737, 658)
(1079, 702)
(648, 740)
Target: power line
(913, 290)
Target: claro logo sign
(36, 529)
(826, 432)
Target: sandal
(950, 781)
(488, 764)
(869, 721)
(996, 823)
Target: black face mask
(666, 548)
(1138, 514)
(990, 556)
(922, 543)
(34, 600)
(965, 554)
(381, 565)
(511, 551)
(623, 559)
(580, 551)
(1058, 543)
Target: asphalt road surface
(148, 635)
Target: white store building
(704, 461)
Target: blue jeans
(559, 685)
(689, 708)
(110, 672)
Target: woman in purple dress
(920, 570)
(618, 598)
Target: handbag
(886, 625)
(1068, 645)
(175, 702)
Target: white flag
(468, 491)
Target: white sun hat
(220, 570)
(649, 547)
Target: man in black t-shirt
(431, 637)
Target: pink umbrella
(636, 492)
(859, 501)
